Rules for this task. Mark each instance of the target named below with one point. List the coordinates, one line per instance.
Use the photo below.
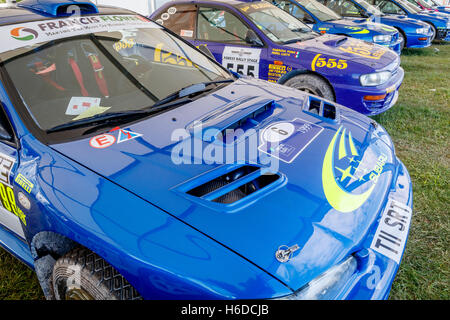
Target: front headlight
(382, 38)
(328, 285)
(422, 30)
(375, 79)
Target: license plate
(391, 234)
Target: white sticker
(165, 16)
(391, 234)
(244, 61)
(187, 33)
(78, 105)
(26, 34)
(172, 10)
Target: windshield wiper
(180, 97)
(189, 91)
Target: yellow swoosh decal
(364, 31)
(339, 199)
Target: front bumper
(354, 96)
(416, 40)
(375, 272)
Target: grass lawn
(420, 127)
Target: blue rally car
(439, 22)
(323, 20)
(415, 33)
(430, 5)
(261, 40)
(122, 173)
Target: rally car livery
(123, 176)
(415, 33)
(430, 5)
(261, 40)
(323, 20)
(439, 22)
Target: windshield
(66, 74)
(319, 10)
(409, 6)
(278, 25)
(369, 8)
(423, 3)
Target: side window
(348, 8)
(294, 10)
(180, 19)
(222, 26)
(388, 7)
(6, 132)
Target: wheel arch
(295, 73)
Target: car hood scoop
(255, 206)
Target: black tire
(83, 275)
(311, 84)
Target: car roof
(13, 14)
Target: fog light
(375, 98)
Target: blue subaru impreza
(134, 166)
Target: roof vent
(56, 8)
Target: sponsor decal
(8, 200)
(168, 57)
(357, 30)
(330, 63)
(362, 49)
(124, 44)
(102, 141)
(24, 34)
(23, 200)
(13, 37)
(277, 70)
(344, 171)
(187, 33)
(108, 139)
(287, 140)
(127, 135)
(244, 61)
(24, 183)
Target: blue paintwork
(404, 24)
(127, 203)
(441, 21)
(298, 58)
(355, 29)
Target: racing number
(245, 70)
(331, 63)
(170, 58)
(9, 202)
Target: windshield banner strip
(17, 36)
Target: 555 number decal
(330, 63)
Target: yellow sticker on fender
(330, 63)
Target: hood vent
(230, 185)
(321, 108)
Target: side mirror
(203, 48)
(253, 39)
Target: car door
(232, 42)
(11, 215)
